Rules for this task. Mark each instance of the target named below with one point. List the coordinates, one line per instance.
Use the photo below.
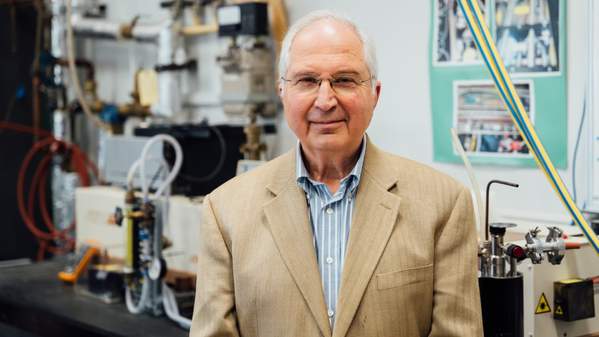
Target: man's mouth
(327, 122)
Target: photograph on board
(484, 126)
(527, 34)
(454, 43)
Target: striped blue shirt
(330, 217)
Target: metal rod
(487, 202)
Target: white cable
(166, 211)
(475, 188)
(170, 307)
(133, 169)
(176, 167)
(145, 288)
(73, 70)
(163, 189)
(143, 298)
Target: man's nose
(326, 99)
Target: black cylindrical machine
(502, 305)
(501, 291)
(501, 285)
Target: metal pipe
(487, 202)
(99, 28)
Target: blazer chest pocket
(404, 277)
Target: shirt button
(329, 260)
(331, 313)
(329, 210)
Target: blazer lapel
(287, 217)
(376, 212)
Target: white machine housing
(95, 205)
(539, 278)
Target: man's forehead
(327, 41)
(327, 33)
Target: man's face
(325, 118)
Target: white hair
(319, 15)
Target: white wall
(402, 122)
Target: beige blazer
(410, 268)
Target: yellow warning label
(543, 306)
(558, 310)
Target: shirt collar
(302, 176)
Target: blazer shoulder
(237, 202)
(248, 183)
(411, 172)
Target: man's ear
(376, 93)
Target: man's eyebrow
(305, 73)
(346, 72)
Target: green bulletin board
(531, 38)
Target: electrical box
(539, 282)
(117, 156)
(248, 65)
(210, 154)
(573, 300)
(243, 19)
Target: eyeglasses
(342, 85)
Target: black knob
(169, 4)
(118, 216)
(499, 228)
(497, 231)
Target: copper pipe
(80, 63)
(35, 83)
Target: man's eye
(307, 81)
(345, 81)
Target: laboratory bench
(35, 303)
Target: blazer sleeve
(214, 310)
(456, 304)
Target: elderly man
(336, 237)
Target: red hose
(42, 195)
(33, 188)
(41, 250)
(21, 186)
(80, 164)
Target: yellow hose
(510, 97)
